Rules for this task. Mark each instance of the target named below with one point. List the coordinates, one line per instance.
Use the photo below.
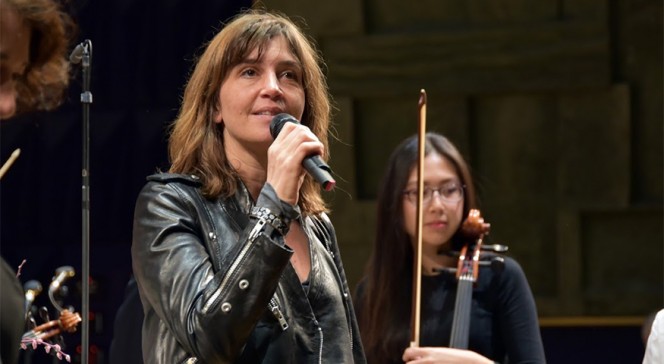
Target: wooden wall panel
(516, 170)
(557, 106)
(533, 58)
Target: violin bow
(9, 162)
(417, 263)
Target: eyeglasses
(451, 192)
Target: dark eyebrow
(250, 61)
(294, 64)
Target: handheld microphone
(313, 164)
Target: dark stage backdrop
(142, 53)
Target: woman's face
(14, 56)
(442, 211)
(256, 90)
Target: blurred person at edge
(654, 340)
(35, 37)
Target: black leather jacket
(218, 288)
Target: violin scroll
(69, 320)
(66, 323)
(474, 227)
(48, 334)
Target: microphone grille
(278, 122)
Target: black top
(503, 322)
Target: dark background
(142, 54)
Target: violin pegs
(450, 253)
(43, 313)
(32, 323)
(445, 270)
(498, 248)
(497, 264)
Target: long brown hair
(196, 144)
(385, 305)
(46, 78)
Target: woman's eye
(291, 75)
(451, 190)
(248, 72)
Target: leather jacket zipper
(320, 351)
(274, 308)
(213, 300)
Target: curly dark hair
(46, 78)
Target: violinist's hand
(284, 160)
(438, 355)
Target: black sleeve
(519, 325)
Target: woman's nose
(271, 85)
(436, 199)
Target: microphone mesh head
(278, 122)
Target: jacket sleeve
(210, 313)
(358, 349)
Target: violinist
(503, 317)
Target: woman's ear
(217, 118)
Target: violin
(48, 333)
(67, 322)
(470, 259)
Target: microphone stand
(85, 51)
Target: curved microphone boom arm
(61, 275)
